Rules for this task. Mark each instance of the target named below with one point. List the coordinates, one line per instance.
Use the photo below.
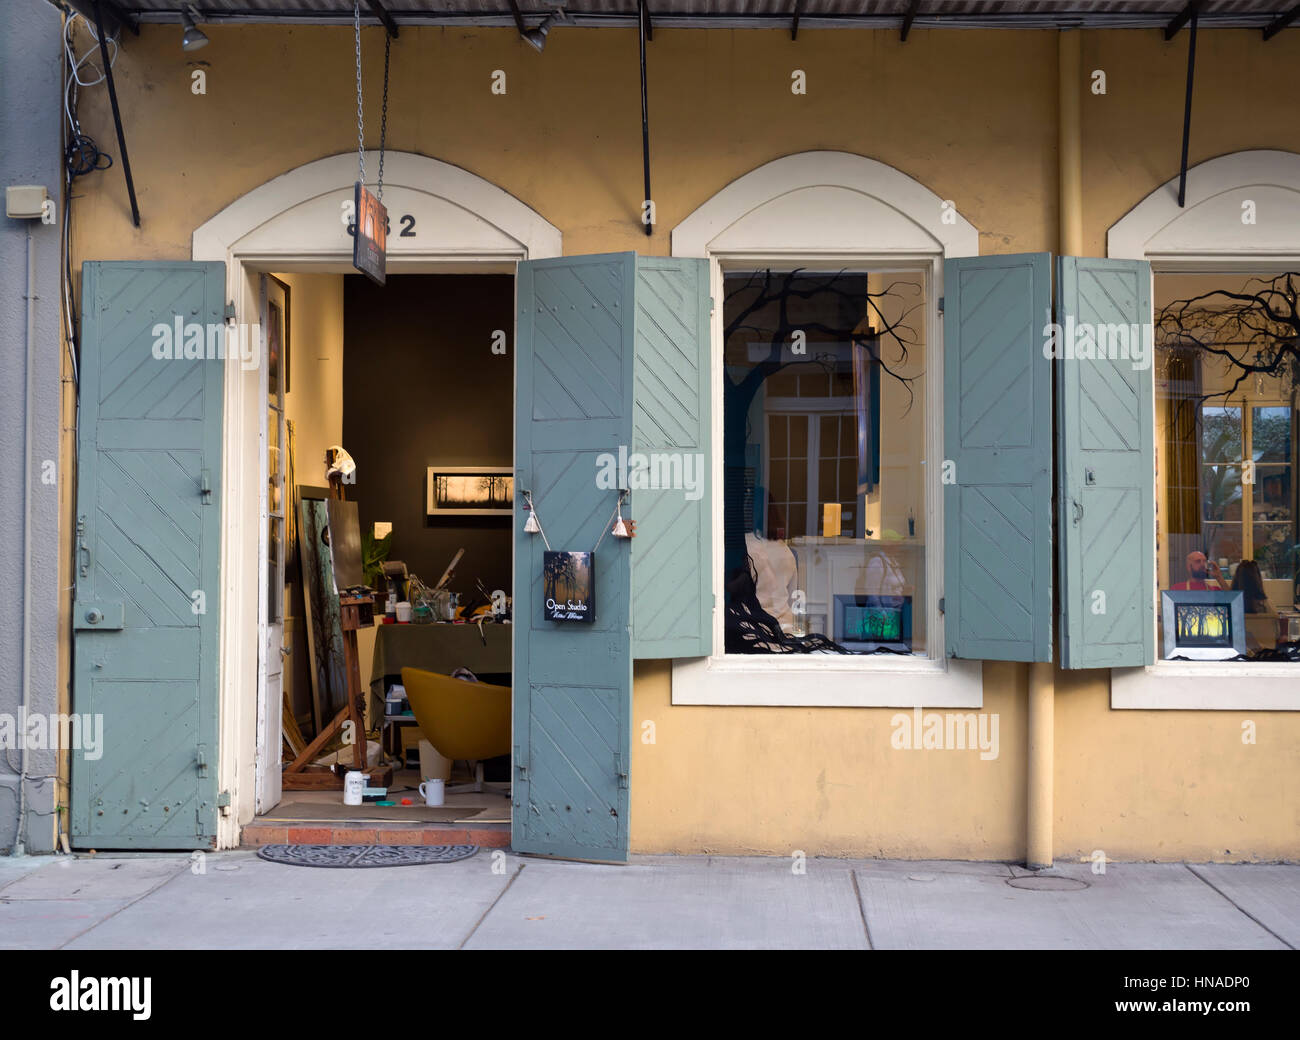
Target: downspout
(1042, 674)
(20, 834)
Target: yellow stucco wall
(970, 114)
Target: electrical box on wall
(25, 201)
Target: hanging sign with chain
(569, 578)
(370, 230)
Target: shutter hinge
(940, 304)
(223, 801)
(520, 765)
(229, 312)
(940, 604)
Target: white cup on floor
(432, 791)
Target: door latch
(205, 485)
(83, 550)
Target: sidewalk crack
(126, 906)
(862, 909)
(1204, 879)
(483, 917)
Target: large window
(1226, 444)
(824, 448)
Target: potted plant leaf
(374, 552)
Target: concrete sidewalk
(656, 902)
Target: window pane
(1221, 493)
(1274, 551)
(1221, 434)
(823, 424)
(1216, 517)
(1270, 434)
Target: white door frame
(295, 222)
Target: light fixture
(536, 37)
(193, 37)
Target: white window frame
(1203, 237)
(732, 232)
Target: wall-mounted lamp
(193, 37)
(536, 37)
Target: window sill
(828, 682)
(1201, 686)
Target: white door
(274, 503)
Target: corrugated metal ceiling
(773, 13)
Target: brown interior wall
(422, 387)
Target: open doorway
(415, 381)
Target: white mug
(353, 783)
(432, 791)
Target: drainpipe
(20, 835)
(1042, 674)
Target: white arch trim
(456, 215)
(1210, 224)
(822, 204)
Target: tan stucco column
(1039, 777)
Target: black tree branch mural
(1255, 331)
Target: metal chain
(361, 125)
(383, 122)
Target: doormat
(364, 855)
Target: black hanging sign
(569, 587)
(370, 243)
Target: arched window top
(1245, 204)
(821, 204)
(454, 213)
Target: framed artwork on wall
(277, 333)
(469, 491)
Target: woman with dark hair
(1251, 582)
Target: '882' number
(407, 221)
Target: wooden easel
(299, 775)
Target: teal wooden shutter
(672, 574)
(1107, 469)
(997, 458)
(572, 682)
(147, 596)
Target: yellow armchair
(465, 721)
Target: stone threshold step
(491, 835)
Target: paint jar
(403, 613)
(353, 784)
